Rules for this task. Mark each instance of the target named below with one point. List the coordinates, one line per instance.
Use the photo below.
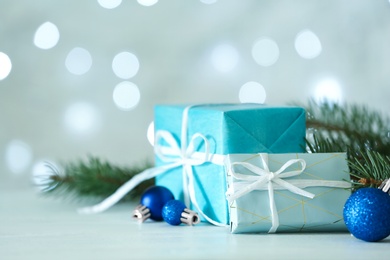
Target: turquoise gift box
(325, 175)
(227, 128)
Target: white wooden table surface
(36, 227)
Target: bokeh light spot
(78, 61)
(5, 65)
(252, 92)
(307, 44)
(81, 118)
(125, 65)
(265, 52)
(150, 133)
(46, 36)
(328, 90)
(18, 156)
(147, 2)
(224, 58)
(109, 4)
(126, 95)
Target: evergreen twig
(371, 170)
(93, 178)
(351, 127)
(363, 133)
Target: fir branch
(363, 133)
(320, 144)
(350, 127)
(370, 170)
(93, 178)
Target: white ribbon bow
(175, 156)
(264, 179)
(187, 158)
(265, 176)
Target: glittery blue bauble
(172, 210)
(367, 214)
(154, 198)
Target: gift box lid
(238, 128)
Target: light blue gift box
(243, 128)
(251, 212)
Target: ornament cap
(189, 217)
(141, 213)
(385, 186)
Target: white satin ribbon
(175, 156)
(264, 179)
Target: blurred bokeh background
(81, 78)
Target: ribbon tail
(187, 199)
(191, 190)
(293, 188)
(211, 221)
(274, 211)
(125, 188)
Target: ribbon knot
(271, 175)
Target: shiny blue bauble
(172, 210)
(367, 214)
(154, 198)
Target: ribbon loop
(191, 153)
(170, 152)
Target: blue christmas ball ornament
(172, 211)
(367, 214)
(175, 212)
(154, 198)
